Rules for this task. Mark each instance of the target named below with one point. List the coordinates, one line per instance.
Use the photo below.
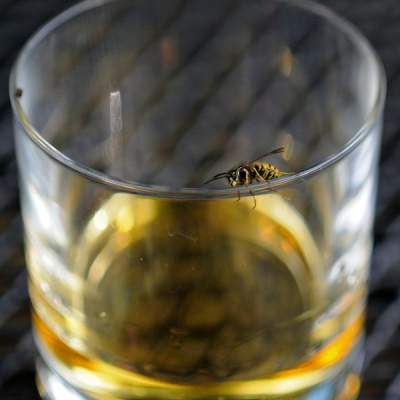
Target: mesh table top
(379, 20)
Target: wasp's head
(237, 177)
(232, 178)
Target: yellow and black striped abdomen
(266, 172)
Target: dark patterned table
(379, 20)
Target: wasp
(252, 171)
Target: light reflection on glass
(286, 66)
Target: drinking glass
(197, 181)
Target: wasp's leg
(238, 199)
(289, 173)
(254, 198)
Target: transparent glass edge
(200, 193)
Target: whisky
(195, 299)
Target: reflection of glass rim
(277, 211)
(203, 193)
(277, 208)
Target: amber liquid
(169, 299)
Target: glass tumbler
(198, 181)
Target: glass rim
(126, 185)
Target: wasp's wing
(280, 150)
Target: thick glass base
(343, 386)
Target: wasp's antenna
(218, 176)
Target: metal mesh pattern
(379, 20)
